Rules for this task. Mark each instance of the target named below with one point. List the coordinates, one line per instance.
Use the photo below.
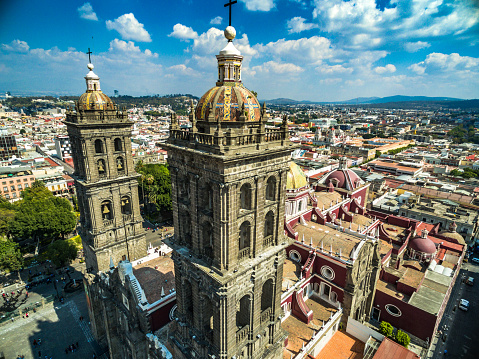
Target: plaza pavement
(57, 326)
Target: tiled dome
(296, 177)
(227, 103)
(422, 244)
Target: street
(463, 327)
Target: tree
(455, 173)
(42, 216)
(22, 131)
(62, 252)
(386, 329)
(7, 213)
(155, 181)
(402, 338)
(11, 258)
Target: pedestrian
(77, 345)
(66, 350)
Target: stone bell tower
(105, 179)
(228, 190)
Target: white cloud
(16, 46)
(298, 24)
(183, 32)
(417, 69)
(86, 12)
(259, 5)
(129, 28)
(209, 42)
(278, 68)
(216, 20)
(416, 46)
(449, 66)
(411, 20)
(182, 69)
(333, 69)
(357, 82)
(304, 50)
(120, 46)
(389, 68)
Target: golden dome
(95, 100)
(296, 177)
(228, 102)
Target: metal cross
(89, 53)
(230, 4)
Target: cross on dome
(230, 4)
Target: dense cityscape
(224, 226)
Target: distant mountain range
(363, 100)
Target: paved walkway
(58, 327)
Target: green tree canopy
(386, 329)
(62, 252)
(10, 257)
(156, 182)
(402, 338)
(41, 215)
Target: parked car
(475, 260)
(470, 281)
(464, 305)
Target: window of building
(118, 144)
(125, 301)
(269, 225)
(98, 146)
(295, 256)
(243, 314)
(120, 165)
(4, 183)
(245, 196)
(5, 189)
(267, 295)
(7, 196)
(393, 310)
(101, 167)
(125, 205)
(12, 188)
(106, 209)
(14, 194)
(245, 232)
(271, 189)
(19, 180)
(327, 272)
(25, 179)
(20, 187)
(26, 185)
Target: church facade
(228, 188)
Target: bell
(100, 166)
(123, 203)
(105, 209)
(119, 166)
(126, 201)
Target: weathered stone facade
(228, 191)
(107, 188)
(106, 183)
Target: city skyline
(305, 50)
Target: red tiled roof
(51, 162)
(392, 350)
(342, 346)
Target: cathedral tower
(228, 190)
(105, 179)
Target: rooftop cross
(89, 53)
(230, 3)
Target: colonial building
(106, 184)
(105, 179)
(228, 190)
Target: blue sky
(320, 50)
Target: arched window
(98, 146)
(184, 188)
(207, 237)
(245, 196)
(207, 316)
(269, 224)
(125, 205)
(120, 165)
(244, 235)
(186, 226)
(106, 210)
(188, 301)
(101, 167)
(267, 295)
(118, 144)
(300, 206)
(271, 189)
(243, 314)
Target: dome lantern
(229, 60)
